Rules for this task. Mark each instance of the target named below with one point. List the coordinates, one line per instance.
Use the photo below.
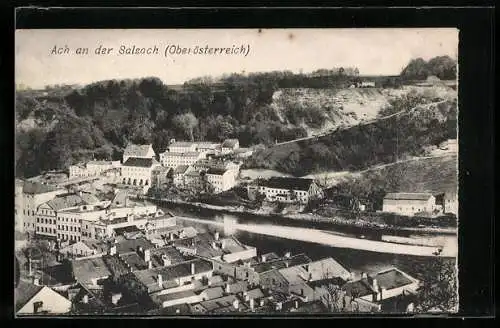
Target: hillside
(362, 146)
(432, 174)
(321, 110)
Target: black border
(476, 118)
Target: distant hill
(362, 146)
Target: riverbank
(307, 217)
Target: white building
(92, 168)
(137, 171)
(196, 146)
(32, 195)
(138, 151)
(230, 145)
(409, 203)
(35, 299)
(48, 222)
(179, 181)
(222, 179)
(284, 189)
(174, 159)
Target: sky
(373, 51)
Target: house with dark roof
(287, 189)
(36, 300)
(229, 145)
(90, 270)
(138, 171)
(405, 203)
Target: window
(37, 220)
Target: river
(265, 234)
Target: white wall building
(409, 203)
(174, 159)
(92, 168)
(40, 300)
(284, 189)
(137, 171)
(33, 194)
(221, 179)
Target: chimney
(364, 275)
(147, 255)
(287, 264)
(85, 299)
(252, 304)
(216, 235)
(150, 264)
(375, 284)
(171, 236)
(165, 260)
(261, 302)
(140, 250)
(296, 304)
(36, 281)
(160, 280)
(263, 258)
(214, 245)
(236, 304)
(288, 255)
(193, 271)
(227, 288)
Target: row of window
(70, 228)
(68, 237)
(45, 229)
(72, 220)
(28, 212)
(46, 221)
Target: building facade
(137, 171)
(174, 159)
(287, 189)
(92, 168)
(409, 203)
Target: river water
(353, 259)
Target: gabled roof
(214, 292)
(84, 270)
(25, 292)
(216, 171)
(181, 169)
(358, 288)
(408, 196)
(230, 143)
(282, 263)
(34, 188)
(139, 162)
(392, 278)
(133, 150)
(71, 200)
(287, 183)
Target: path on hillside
(335, 175)
(360, 124)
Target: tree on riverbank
(439, 290)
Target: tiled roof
(391, 279)
(124, 246)
(221, 302)
(24, 292)
(133, 150)
(186, 154)
(37, 188)
(408, 196)
(172, 254)
(181, 169)
(287, 183)
(170, 273)
(71, 200)
(214, 292)
(358, 288)
(255, 293)
(238, 287)
(281, 263)
(84, 270)
(139, 162)
(216, 171)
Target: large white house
(34, 300)
(221, 179)
(138, 171)
(409, 203)
(284, 189)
